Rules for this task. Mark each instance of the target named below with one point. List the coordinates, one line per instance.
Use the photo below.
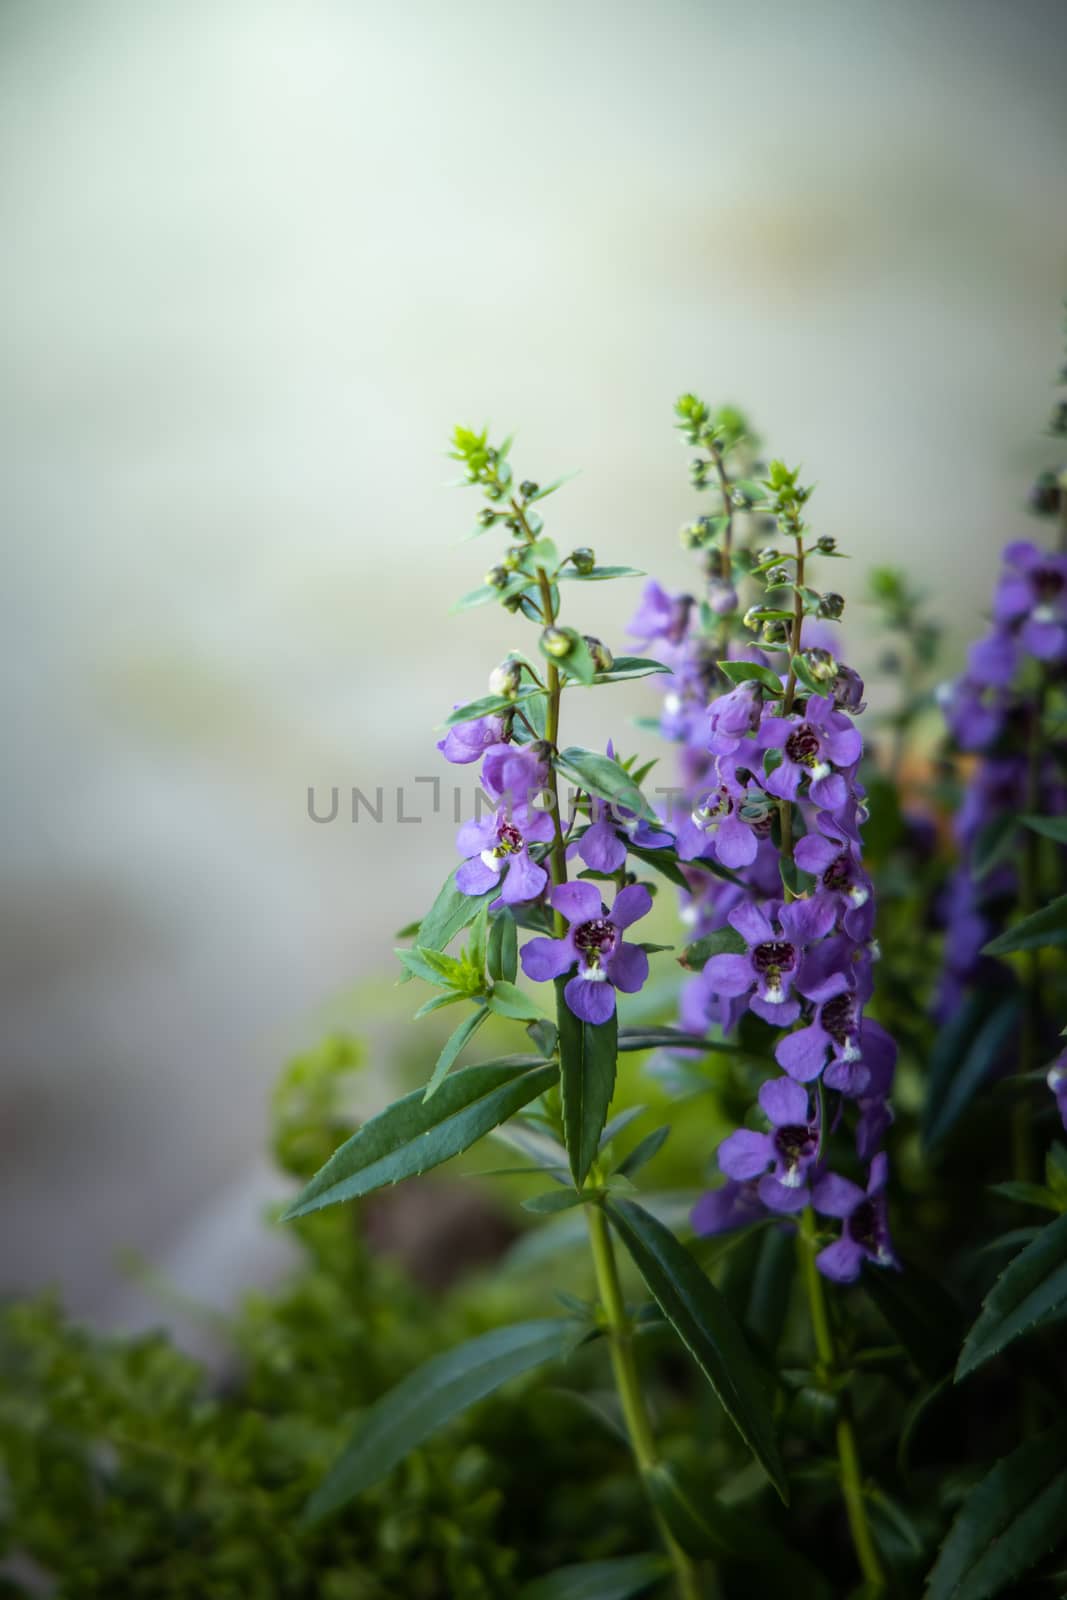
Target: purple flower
(733, 717)
(603, 844)
(865, 1234)
(497, 851)
(734, 1205)
(515, 772)
(974, 713)
(1032, 599)
(832, 856)
(789, 1150)
(834, 1029)
(726, 822)
(593, 941)
(660, 616)
(771, 964)
(469, 740)
(1057, 1082)
(814, 747)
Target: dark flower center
(863, 1226)
(794, 1144)
(596, 939)
(1048, 583)
(716, 803)
(774, 957)
(838, 1018)
(802, 746)
(508, 839)
(838, 874)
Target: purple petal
(802, 1054)
(732, 1206)
(779, 1016)
(835, 1196)
(745, 1154)
(579, 902)
(750, 923)
(845, 747)
(784, 781)
(784, 1102)
(778, 1196)
(592, 1002)
(735, 843)
(840, 1261)
(808, 920)
(474, 837)
(628, 968)
(727, 974)
(601, 848)
(1045, 640)
(474, 877)
(831, 792)
(814, 854)
(524, 881)
(543, 959)
(631, 904)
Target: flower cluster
(780, 897)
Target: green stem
(1030, 1043)
(628, 1386)
(785, 807)
(847, 1452)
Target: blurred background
(257, 258)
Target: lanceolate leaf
(428, 1398)
(1051, 827)
(600, 775)
(599, 573)
(587, 1056)
(455, 1043)
(1031, 1291)
(491, 705)
(705, 1324)
(749, 672)
(921, 1312)
(507, 1000)
(1010, 1521)
(965, 1053)
(1046, 927)
(414, 1134)
(724, 941)
(450, 913)
(599, 1580)
(503, 954)
(675, 1039)
(642, 1153)
(631, 667)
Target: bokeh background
(257, 258)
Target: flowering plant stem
(609, 1290)
(847, 1451)
(628, 1386)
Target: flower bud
(487, 516)
(1059, 418)
(527, 488)
(777, 576)
(505, 679)
(513, 524)
(698, 472)
(722, 597)
(848, 690)
(775, 631)
(511, 559)
(821, 665)
(752, 618)
(494, 492)
(763, 556)
(603, 659)
(832, 606)
(692, 536)
(1045, 494)
(498, 577)
(557, 642)
(583, 559)
(826, 544)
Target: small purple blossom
(733, 717)
(816, 747)
(781, 1159)
(1057, 1082)
(660, 616)
(594, 943)
(733, 1205)
(603, 844)
(1031, 599)
(498, 852)
(865, 1231)
(772, 963)
(468, 741)
(832, 855)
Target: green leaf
(675, 1039)
(445, 971)
(554, 1200)
(993, 845)
(414, 1134)
(1046, 927)
(1051, 827)
(724, 941)
(587, 1058)
(491, 705)
(598, 574)
(600, 775)
(923, 1315)
(750, 672)
(466, 1031)
(705, 1324)
(624, 667)
(578, 663)
(804, 675)
(550, 488)
(599, 1580)
(642, 1153)
(1007, 1524)
(662, 861)
(428, 1398)
(450, 913)
(964, 1054)
(1030, 1292)
(503, 947)
(507, 1000)
(1027, 1194)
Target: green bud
(826, 543)
(832, 606)
(698, 472)
(751, 618)
(557, 642)
(603, 659)
(583, 559)
(692, 536)
(527, 488)
(763, 556)
(505, 679)
(777, 576)
(511, 558)
(494, 492)
(498, 577)
(821, 665)
(775, 631)
(486, 517)
(513, 524)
